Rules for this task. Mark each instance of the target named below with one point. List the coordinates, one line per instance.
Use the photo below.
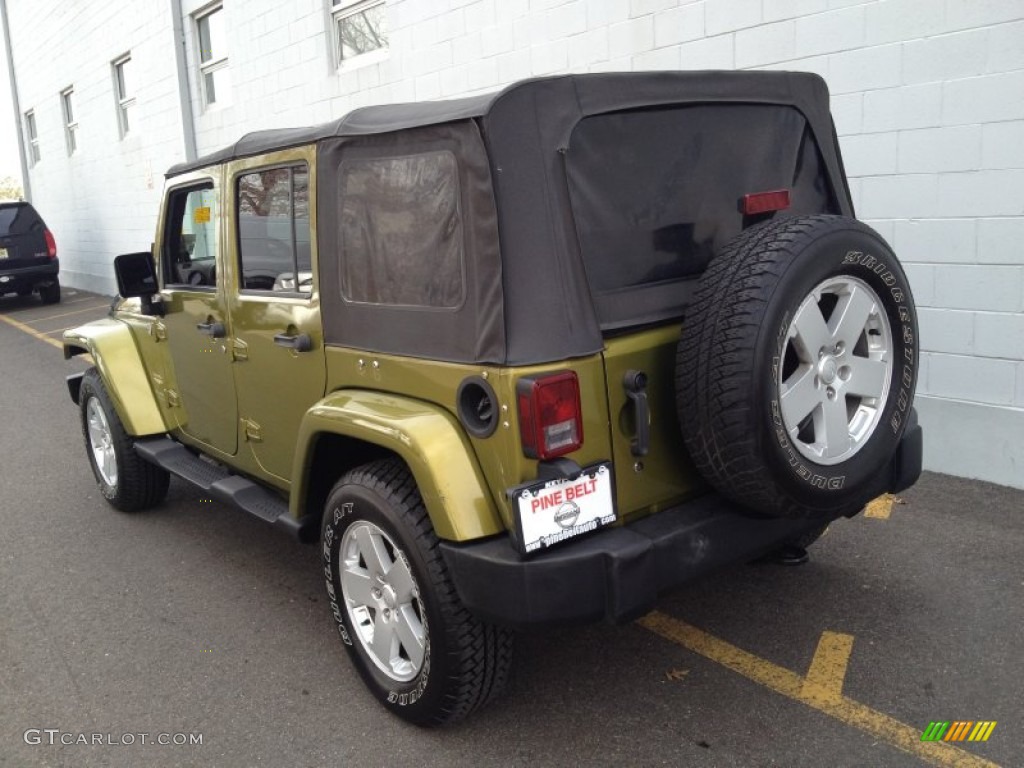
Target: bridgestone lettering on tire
(796, 368)
(419, 651)
(128, 482)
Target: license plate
(550, 512)
(3, 253)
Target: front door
(280, 368)
(199, 386)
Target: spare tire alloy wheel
(835, 375)
(796, 367)
(419, 651)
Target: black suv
(28, 253)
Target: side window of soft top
(189, 250)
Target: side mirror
(136, 276)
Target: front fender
(117, 358)
(426, 437)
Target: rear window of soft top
(655, 194)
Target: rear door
(277, 340)
(22, 237)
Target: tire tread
(718, 341)
(481, 653)
(141, 485)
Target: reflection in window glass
(359, 28)
(273, 230)
(190, 251)
(401, 231)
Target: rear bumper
(619, 573)
(13, 279)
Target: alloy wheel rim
(833, 380)
(383, 602)
(101, 442)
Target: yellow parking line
(828, 668)
(880, 508)
(65, 301)
(781, 680)
(73, 312)
(41, 336)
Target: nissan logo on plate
(567, 515)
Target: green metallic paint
(500, 456)
(274, 385)
(114, 351)
(427, 438)
(646, 484)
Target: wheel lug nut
(831, 393)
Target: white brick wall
(928, 97)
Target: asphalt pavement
(195, 620)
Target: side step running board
(224, 486)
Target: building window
(214, 75)
(70, 123)
(124, 87)
(33, 136)
(360, 27)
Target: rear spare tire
(796, 367)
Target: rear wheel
(128, 482)
(50, 294)
(419, 651)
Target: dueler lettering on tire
(797, 365)
(419, 651)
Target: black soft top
(579, 96)
(530, 295)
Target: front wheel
(417, 648)
(128, 482)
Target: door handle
(300, 342)
(212, 329)
(635, 384)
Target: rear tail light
(51, 244)
(765, 202)
(550, 420)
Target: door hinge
(239, 350)
(158, 331)
(173, 401)
(252, 430)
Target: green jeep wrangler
(526, 358)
